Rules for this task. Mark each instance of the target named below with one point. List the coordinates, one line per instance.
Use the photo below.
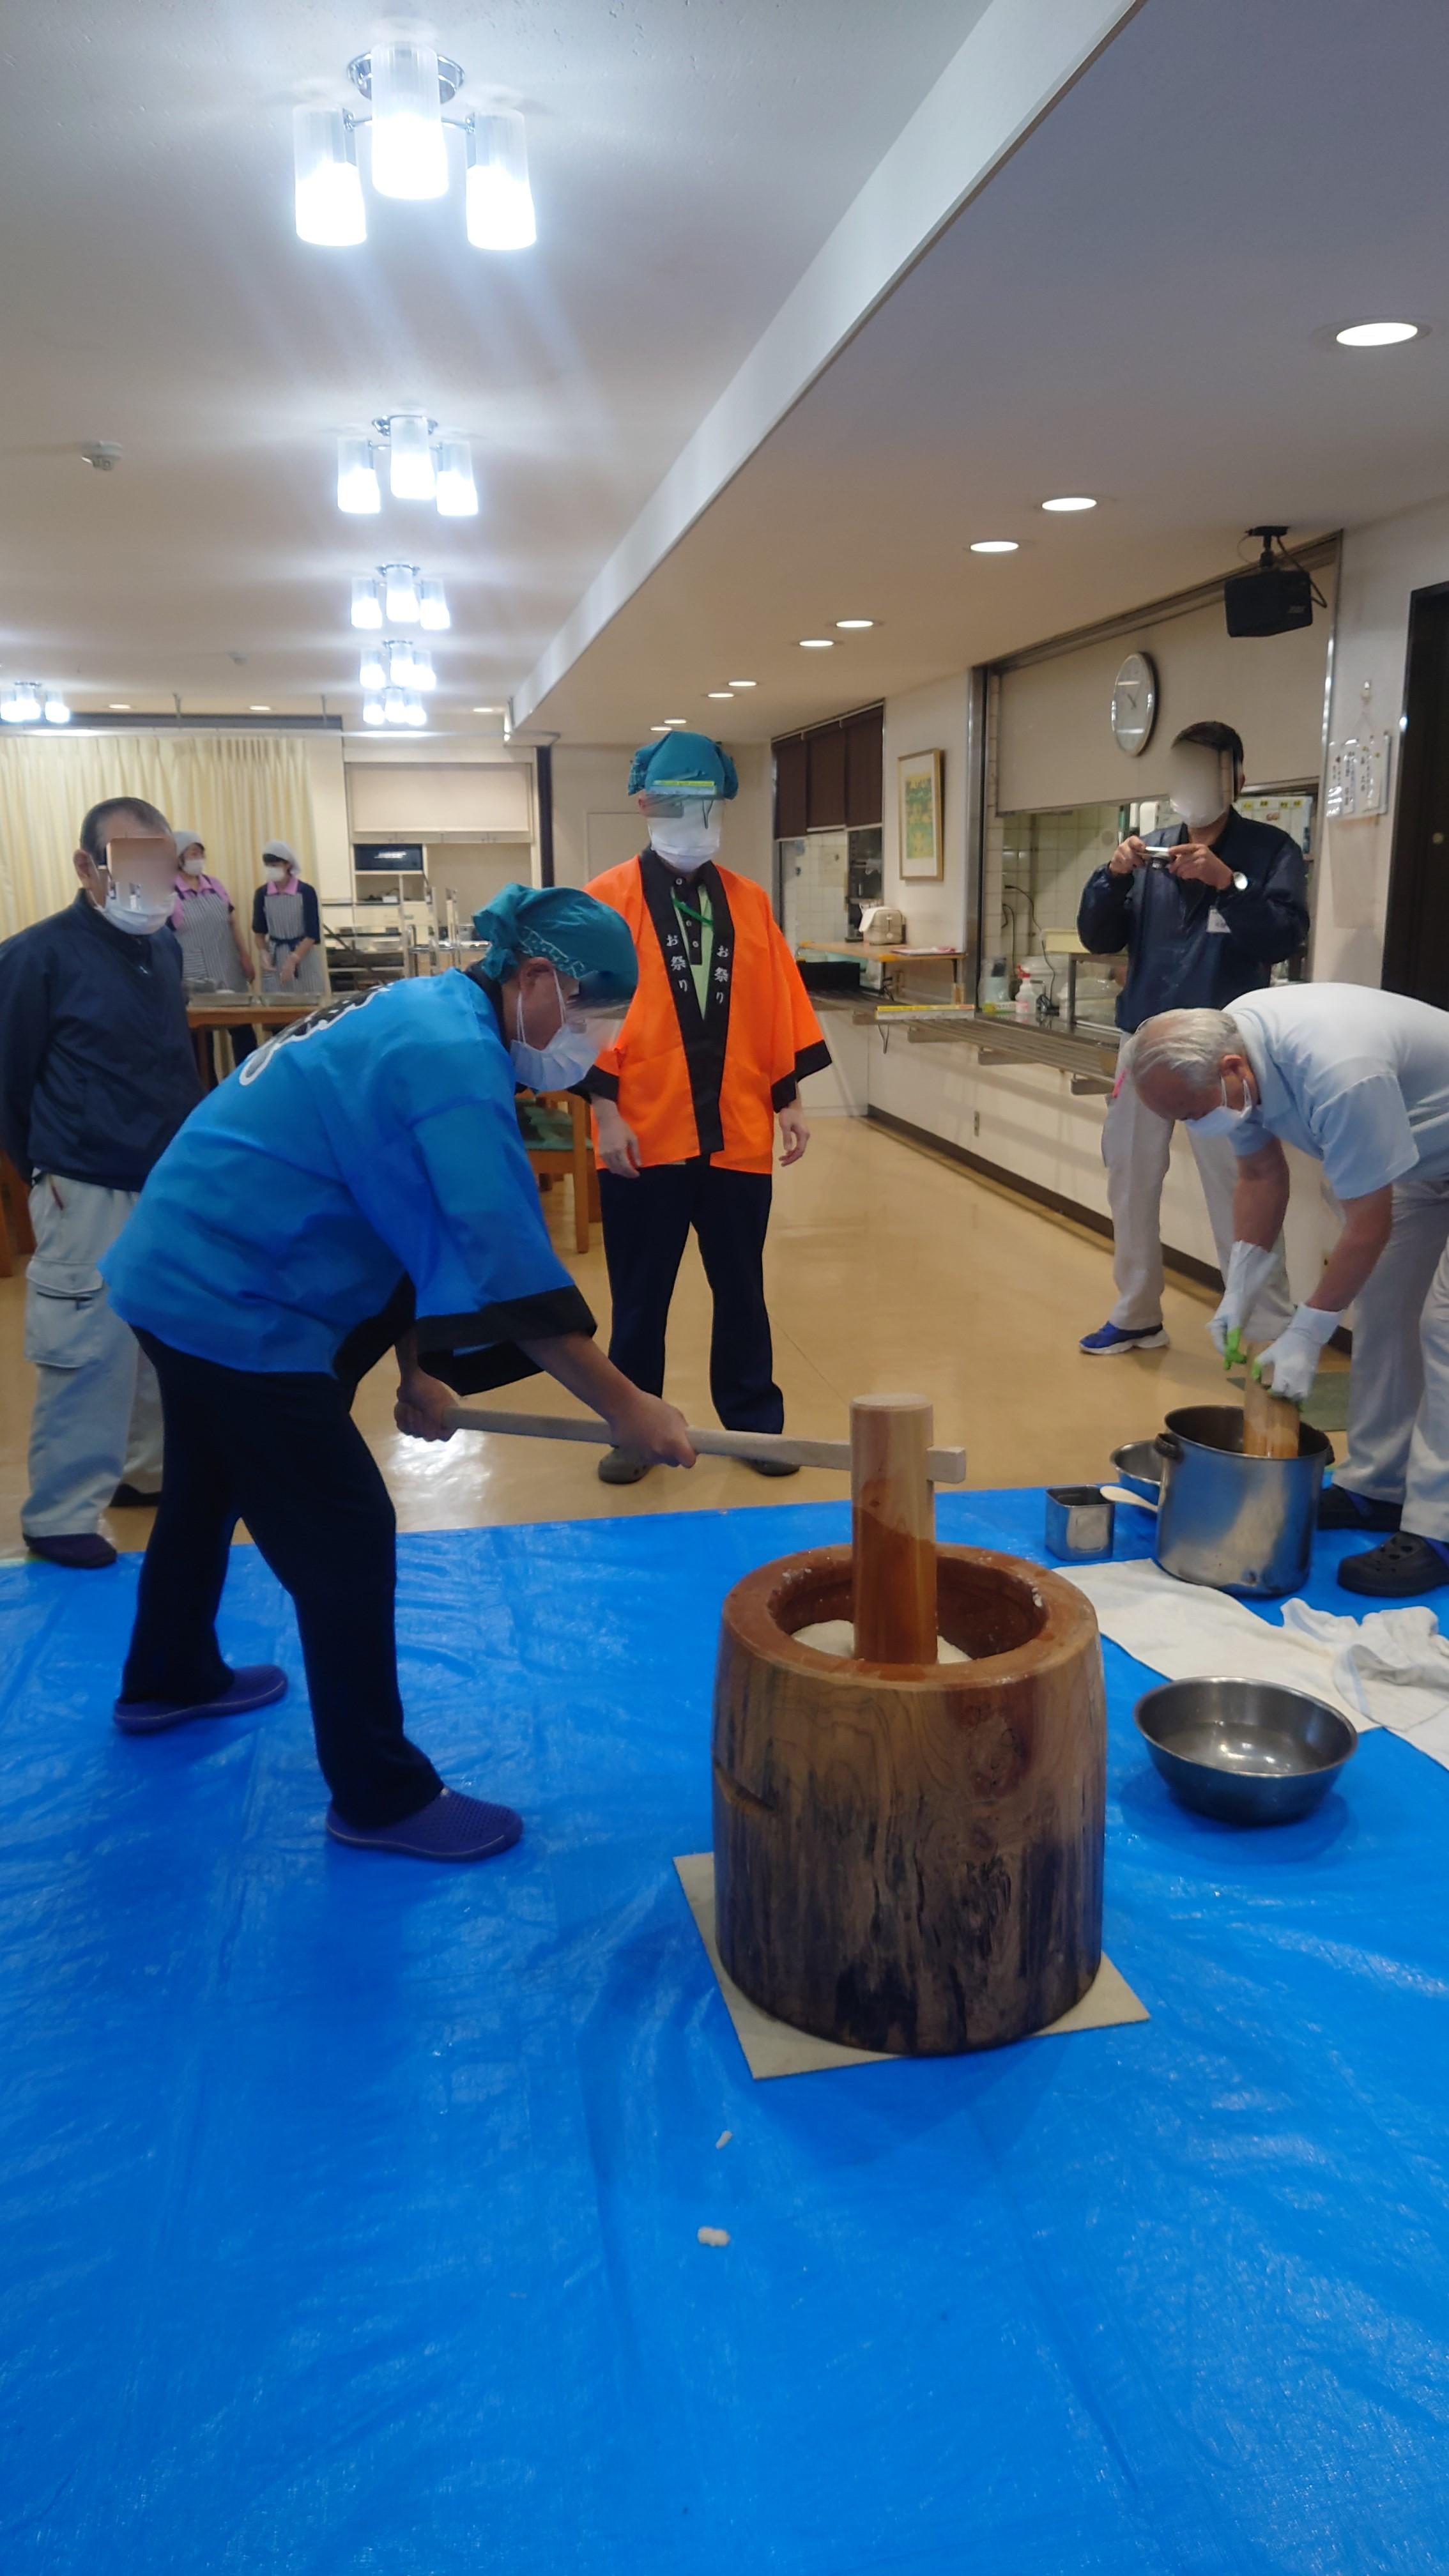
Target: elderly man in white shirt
(1360, 1080)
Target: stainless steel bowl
(1139, 1466)
(1246, 1752)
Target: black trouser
(646, 1227)
(281, 1452)
(243, 1043)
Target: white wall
(596, 824)
(930, 719)
(1382, 564)
(327, 781)
(1056, 745)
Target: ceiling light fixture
(409, 89)
(367, 603)
(500, 212)
(487, 711)
(671, 721)
(120, 706)
(372, 713)
(720, 693)
(418, 470)
(817, 643)
(400, 593)
(394, 707)
(424, 676)
(994, 545)
(414, 711)
(399, 663)
(372, 672)
(1376, 335)
(21, 702)
(56, 710)
(743, 684)
(259, 711)
(433, 607)
(848, 625)
(1071, 501)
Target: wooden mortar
(908, 1856)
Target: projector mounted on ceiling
(1276, 597)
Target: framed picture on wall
(920, 812)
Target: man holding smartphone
(96, 1075)
(1205, 910)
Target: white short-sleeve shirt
(1357, 1078)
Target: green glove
(1234, 1355)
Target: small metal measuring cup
(1079, 1521)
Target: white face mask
(277, 872)
(563, 1062)
(140, 918)
(688, 841)
(1200, 784)
(194, 864)
(1222, 1120)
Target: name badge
(1215, 921)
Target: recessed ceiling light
(675, 720)
(845, 624)
(487, 711)
(817, 643)
(994, 545)
(120, 706)
(719, 693)
(1071, 501)
(743, 684)
(259, 711)
(659, 728)
(1375, 335)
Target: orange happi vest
(709, 1082)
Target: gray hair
(1187, 1045)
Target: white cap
(185, 839)
(280, 850)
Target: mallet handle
(943, 1466)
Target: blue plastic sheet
(349, 2208)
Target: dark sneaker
(773, 1466)
(621, 1467)
(251, 1686)
(1403, 1566)
(1110, 1340)
(85, 1553)
(450, 1827)
(1339, 1507)
(129, 1498)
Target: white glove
(1290, 1364)
(1249, 1270)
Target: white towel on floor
(1389, 1669)
(1392, 1666)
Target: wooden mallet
(892, 1469)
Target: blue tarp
(350, 2207)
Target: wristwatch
(1240, 882)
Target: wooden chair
(556, 1131)
(15, 1231)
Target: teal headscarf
(683, 764)
(576, 934)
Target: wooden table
(268, 1011)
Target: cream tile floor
(888, 1270)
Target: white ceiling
(689, 157)
(1140, 305)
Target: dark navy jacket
(97, 1070)
(1176, 960)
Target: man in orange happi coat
(717, 1039)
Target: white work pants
(1137, 1148)
(97, 1412)
(1398, 1395)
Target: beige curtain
(236, 790)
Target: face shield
(685, 830)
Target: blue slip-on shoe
(251, 1686)
(1112, 1339)
(449, 1827)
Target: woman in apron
(288, 924)
(214, 954)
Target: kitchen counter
(1088, 1055)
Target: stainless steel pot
(1240, 1524)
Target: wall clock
(1134, 704)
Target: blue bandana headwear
(683, 764)
(578, 935)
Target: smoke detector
(102, 454)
